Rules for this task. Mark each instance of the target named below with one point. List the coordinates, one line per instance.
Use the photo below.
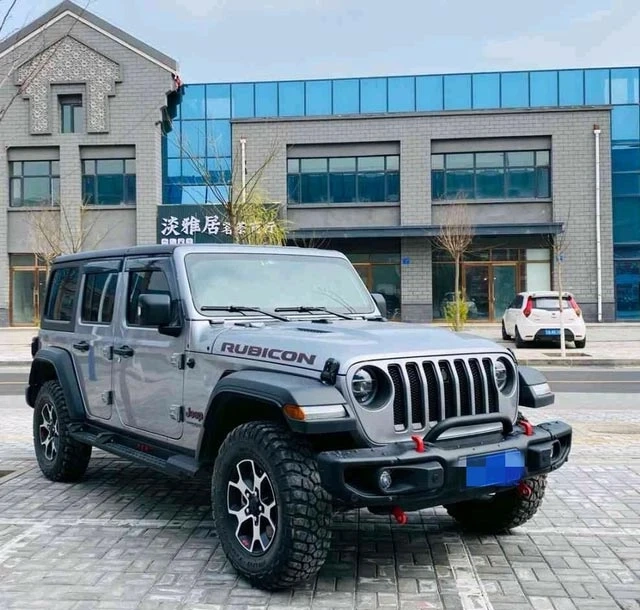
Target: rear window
(550, 303)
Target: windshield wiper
(303, 309)
(242, 309)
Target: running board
(176, 465)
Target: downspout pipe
(596, 133)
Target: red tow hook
(400, 515)
(527, 427)
(524, 490)
(419, 443)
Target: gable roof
(68, 8)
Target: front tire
(505, 336)
(504, 511)
(272, 516)
(60, 457)
(519, 342)
(580, 344)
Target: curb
(9, 363)
(580, 362)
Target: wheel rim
(251, 505)
(49, 431)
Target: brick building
(364, 165)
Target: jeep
(273, 371)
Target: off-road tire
(580, 344)
(519, 342)
(304, 513)
(505, 336)
(506, 510)
(71, 457)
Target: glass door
(504, 288)
(476, 288)
(23, 297)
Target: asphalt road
(562, 380)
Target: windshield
(271, 281)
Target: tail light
(573, 303)
(528, 308)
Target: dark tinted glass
(393, 186)
(143, 282)
(62, 294)
(543, 182)
(314, 187)
(342, 187)
(98, 297)
(371, 187)
(490, 183)
(437, 184)
(626, 219)
(626, 184)
(625, 158)
(460, 184)
(293, 188)
(521, 182)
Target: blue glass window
(596, 86)
(624, 86)
(346, 96)
(194, 138)
(318, 97)
(218, 101)
(314, 181)
(219, 169)
(194, 194)
(571, 87)
(218, 138)
(625, 158)
(173, 140)
(544, 88)
(242, 105)
(373, 95)
(627, 184)
(291, 99)
(626, 219)
(515, 90)
(109, 181)
(192, 104)
(266, 100)
(457, 92)
(342, 179)
(429, 93)
(625, 123)
(174, 170)
(402, 94)
(194, 170)
(486, 91)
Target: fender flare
(275, 390)
(61, 362)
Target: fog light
(384, 480)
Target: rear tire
(580, 344)
(519, 342)
(505, 336)
(60, 457)
(506, 510)
(271, 513)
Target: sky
(243, 40)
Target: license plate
(503, 468)
(552, 331)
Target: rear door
(546, 311)
(93, 342)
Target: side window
(519, 301)
(98, 297)
(154, 282)
(62, 294)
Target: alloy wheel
(49, 431)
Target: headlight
(364, 386)
(500, 373)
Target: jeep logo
(268, 353)
(191, 414)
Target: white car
(535, 316)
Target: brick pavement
(128, 538)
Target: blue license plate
(502, 469)
(552, 331)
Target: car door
(147, 370)
(512, 314)
(93, 341)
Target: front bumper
(440, 474)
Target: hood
(309, 345)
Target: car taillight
(528, 308)
(575, 306)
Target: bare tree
(455, 237)
(54, 231)
(251, 216)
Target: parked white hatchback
(535, 316)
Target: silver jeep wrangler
(275, 372)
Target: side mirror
(534, 389)
(155, 309)
(381, 303)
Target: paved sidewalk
(615, 344)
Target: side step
(176, 465)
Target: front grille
(431, 391)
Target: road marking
(592, 381)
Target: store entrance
(28, 284)
(489, 288)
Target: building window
(71, 113)
(491, 175)
(374, 179)
(109, 181)
(34, 183)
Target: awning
(547, 228)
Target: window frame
(387, 171)
(21, 177)
(74, 101)
(93, 200)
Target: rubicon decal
(268, 353)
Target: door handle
(125, 351)
(83, 346)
